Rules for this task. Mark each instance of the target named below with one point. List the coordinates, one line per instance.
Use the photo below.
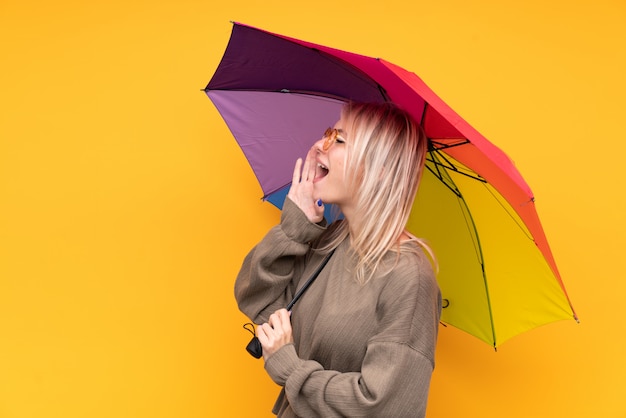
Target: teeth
(322, 166)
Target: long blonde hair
(385, 155)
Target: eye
(340, 140)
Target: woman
(361, 341)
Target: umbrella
(497, 274)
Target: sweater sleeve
(270, 272)
(393, 382)
(395, 373)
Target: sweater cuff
(282, 364)
(297, 226)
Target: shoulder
(408, 293)
(410, 270)
(410, 301)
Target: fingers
(280, 320)
(308, 171)
(296, 172)
(305, 170)
(302, 188)
(275, 333)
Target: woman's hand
(302, 191)
(275, 333)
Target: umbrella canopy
(497, 274)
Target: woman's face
(330, 183)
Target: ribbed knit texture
(359, 350)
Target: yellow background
(126, 207)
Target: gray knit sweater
(359, 350)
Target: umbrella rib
(286, 91)
(357, 72)
(383, 93)
(450, 165)
(440, 145)
(469, 221)
(506, 210)
(440, 172)
(437, 172)
(271, 192)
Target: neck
(352, 221)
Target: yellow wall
(126, 207)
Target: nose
(319, 145)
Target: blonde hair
(385, 155)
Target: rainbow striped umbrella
(497, 274)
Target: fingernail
(319, 202)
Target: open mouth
(321, 171)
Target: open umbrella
(497, 274)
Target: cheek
(338, 171)
(337, 158)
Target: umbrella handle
(254, 346)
